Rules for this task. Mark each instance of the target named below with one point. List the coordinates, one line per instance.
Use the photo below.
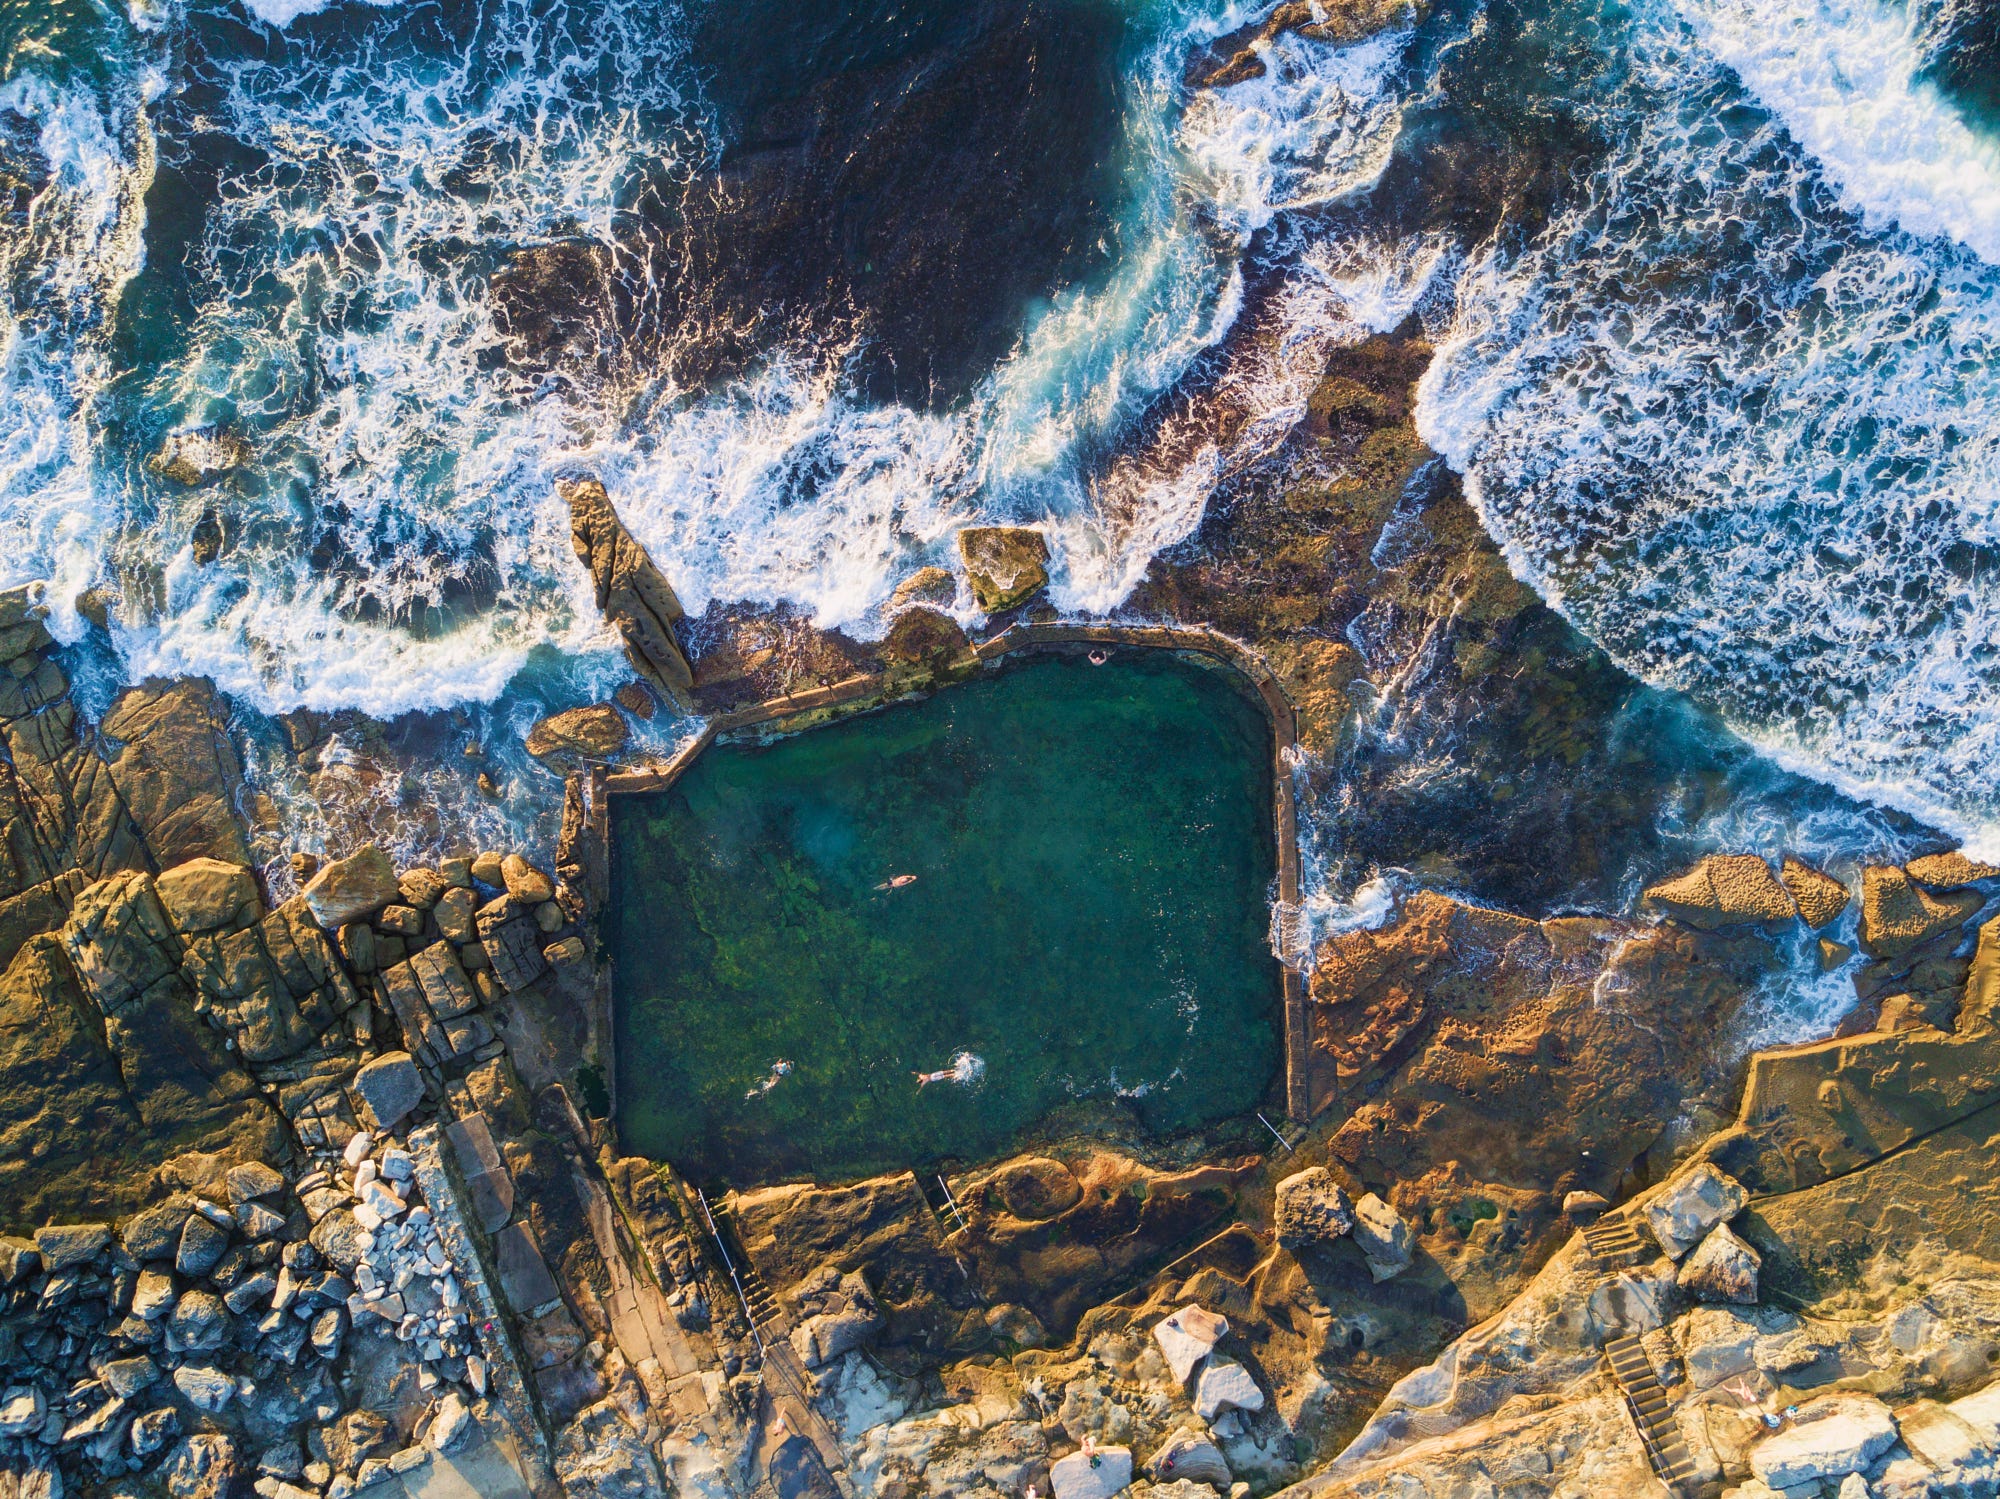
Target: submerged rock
(597, 732)
(198, 455)
(1006, 565)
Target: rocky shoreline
(311, 1185)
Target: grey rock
(451, 1428)
(390, 1087)
(1693, 1204)
(202, 1246)
(1723, 1269)
(126, 1377)
(71, 1244)
(153, 1429)
(1384, 1238)
(23, 1410)
(1830, 1438)
(1191, 1458)
(19, 1259)
(200, 1323)
(1226, 1386)
(202, 1466)
(152, 1295)
(251, 1180)
(1099, 1476)
(338, 1237)
(155, 1233)
(1312, 1208)
(204, 1388)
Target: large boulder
(1097, 1475)
(1187, 1337)
(1725, 890)
(1722, 1269)
(205, 895)
(201, 1467)
(1683, 1214)
(1224, 1387)
(390, 1087)
(1948, 871)
(1819, 896)
(1899, 915)
(1829, 1438)
(351, 888)
(579, 736)
(1187, 1458)
(1312, 1208)
(1383, 1236)
(1006, 565)
(632, 593)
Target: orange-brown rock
(1238, 57)
(633, 594)
(1725, 890)
(1006, 565)
(1541, 1055)
(1819, 896)
(1948, 871)
(1898, 915)
(579, 735)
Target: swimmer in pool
(898, 882)
(778, 1070)
(1098, 658)
(964, 1068)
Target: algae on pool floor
(1093, 854)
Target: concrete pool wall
(587, 821)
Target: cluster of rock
(1313, 1209)
(200, 1340)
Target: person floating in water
(778, 1069)
(1098, 658)
(965, 1068)
(897, 882)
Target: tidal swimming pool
(1092, 851)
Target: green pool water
(1093, 853)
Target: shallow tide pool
(1092, 853)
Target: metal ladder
(1652, 1412)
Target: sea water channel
(1086, 860)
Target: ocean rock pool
(1093, 854)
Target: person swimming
(779, 1069)
(897, 882)
(965, 1068)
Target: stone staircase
(1613, 1241)
(1652, 1413)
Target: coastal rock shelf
(1051, 884)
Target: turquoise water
(1093, 858)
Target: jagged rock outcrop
(1006, 565)
(579, 736)
(633, 594)
(1725, 890)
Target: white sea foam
(1846, 78)
(1747, 443)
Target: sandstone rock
(631, 592)
(1311, 1208)
(1948, 871)
(452, 1427)
(1723, 1268)
(204, 895)
(1582, 1207)
(1898, 915)
(1939, 1436)
(1226, 1386)
(527, 885)
(1006, 565)
(251, 1180)
(351, 888)
(579, 736)
(454, 915)
(1186, 1338)
(71, 1244)
(1725, 890)
(1097, 1476)
(927, 585)
(201, 1467)
(390, 1087)
(1194, 1459)
(1698, 1200)
(1384, 1238)
(1819, 896)
(637, 699)
(1830, 1438)
(485, 868)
